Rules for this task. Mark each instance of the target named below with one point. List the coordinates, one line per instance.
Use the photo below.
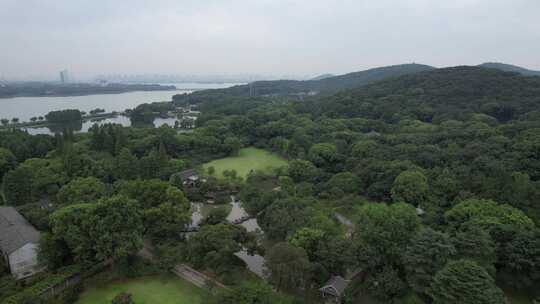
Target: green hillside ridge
(448, 93)
(288, 87)
(323, 76)
(509, 68)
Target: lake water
(25, 108)
(84, 126)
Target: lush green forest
(437, 171)
(510, 68)
(325, 85)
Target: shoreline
(90, 94)
(41, 124)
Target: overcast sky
(308, 37)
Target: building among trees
(190, 177)
(334, 288)
(19, 243)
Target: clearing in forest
(167, 289)
(248, 159)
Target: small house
(190, 177)
(19, 243)
(334, 288)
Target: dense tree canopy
(63, 116)
(465, 282)
(214, 246)
(386, 230)
(81, 190)
(461, 144)
(116, 227)
(109, 229)
(428, 252)
(410, 187)
(8, 161)
(18, 186)
(288, 265)
(488, 214)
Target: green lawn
(166, 289)
(248, 159)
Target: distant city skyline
(163, 78)
(266, 37)
(180, 78)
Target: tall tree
(81, 190)
(324, 155)
(386, 231)
(519, 258)
(167, 219)
(302, 170)
(428, 252)
(474, 243)
(308, 239)
(465, 281)
(53, 251)
(126, 164)
(70, 225)
(116, 227)
(232, 145)
(410, 187)
(214, 246)
(18, 186)
(487, 214)
(289, 266)
(8, 161)
(345, 181)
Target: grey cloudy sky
(303, 37)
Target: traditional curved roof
(188, 173)
(15, 231)
(336, 283)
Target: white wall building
(19, 243)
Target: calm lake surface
(26, 107)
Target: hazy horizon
(265, 37)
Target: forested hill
(357, 79)
(449, 93)
(291, 87)
(323, 76)
(510, 68)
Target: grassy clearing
(248, 159)
(164, 289)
